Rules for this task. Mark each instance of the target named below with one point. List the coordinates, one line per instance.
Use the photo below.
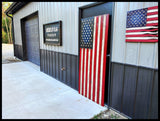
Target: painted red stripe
(151, 19)
(104, 61)
(99, 63)
(90, 74)
(139, 30)
(86, 73)
(152, 24)
(142, 35)
(80, 69)
(154, 7)
(138, 40)
(83, 69)
(152, 13)
(95, 54)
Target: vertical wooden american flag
(92, 62)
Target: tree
(6, 24)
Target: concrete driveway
(28, 93)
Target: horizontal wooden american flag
(92, 62)
(142, 25)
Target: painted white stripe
(147, 27)
(81, 70)
(133, 33)
(97, 58)
(93, 51)
(153, 10)
(88, 72)
(102, 58)
(141, 37)
(152, 16)
(84, 82)
(152, 21)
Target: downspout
(12, 32)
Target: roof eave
(14, 7)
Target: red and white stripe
(149, 33)
(92, 64)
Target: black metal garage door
(32, 40)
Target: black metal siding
(116, 86)
(153, 110)
(18, 51)
(53, 62)
(143, 95)
(129, 90)
(134, 91)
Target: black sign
(53, 33)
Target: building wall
(134, 66)
(134, 69)
(50, 12)
(138, 54)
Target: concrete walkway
(28, 93)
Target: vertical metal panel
(50, 63)
(144, 85)
(64, 65)
(53, 64)
(15, 50)
(18, 51)
(129, 90)
(57, 69)
(156, 57)
(41, 60)
(45, 65)
(153, 112)
(77, 72)
(118, 49)
(44, 60)
(73, 71)
(47, 62)
(146, 58)
(60, 66)
(16, 23)
(68, 66)
(43, 56)
(116, 86)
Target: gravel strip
(108, 114)
(8, 55)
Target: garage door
(32, 40)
